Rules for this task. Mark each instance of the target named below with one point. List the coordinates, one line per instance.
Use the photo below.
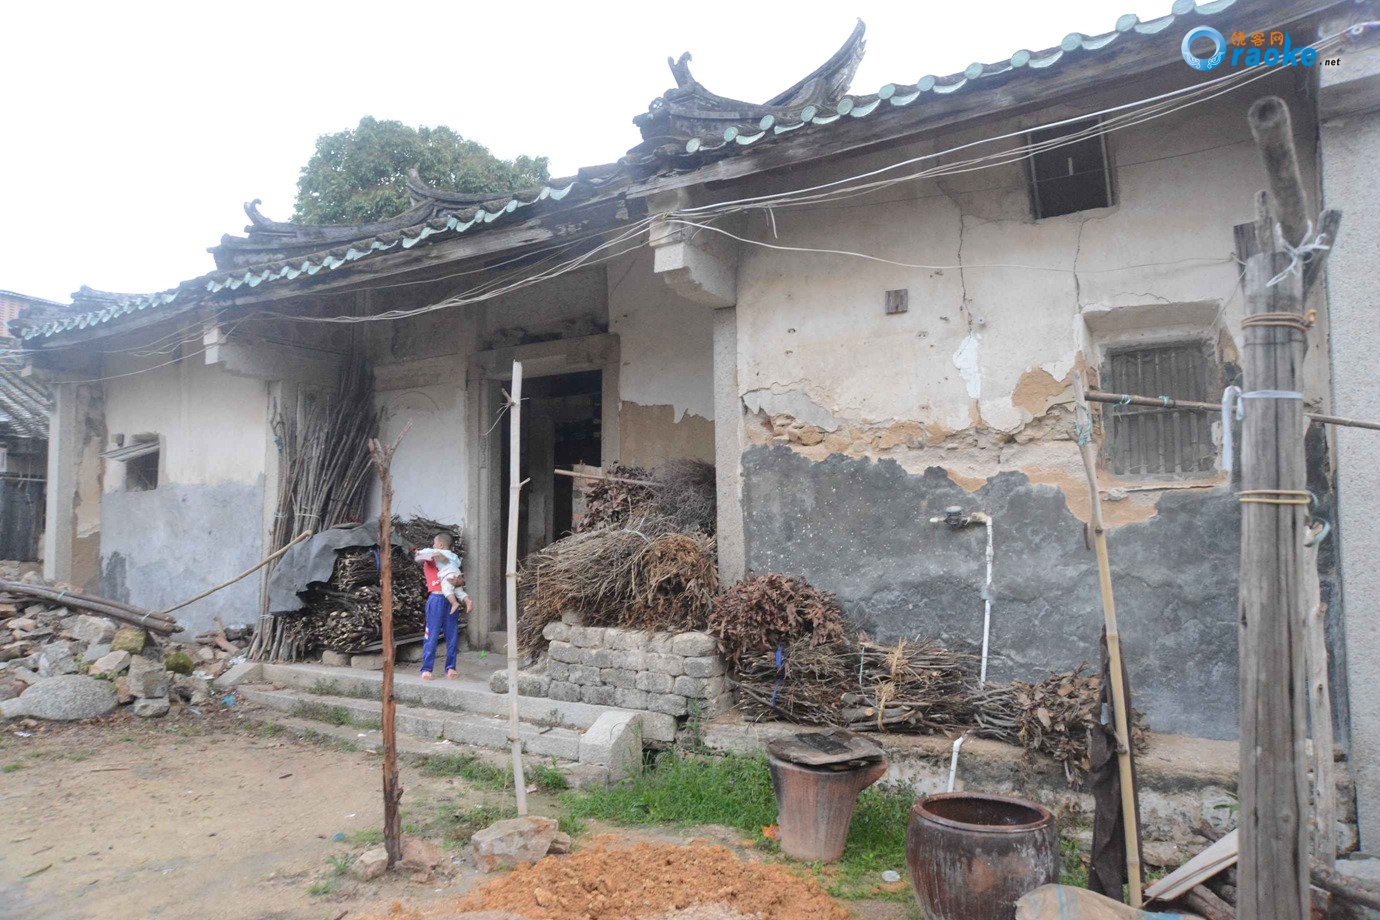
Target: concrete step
(472, 696)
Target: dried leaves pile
(760, 614)
(683, 493)
(608, 502)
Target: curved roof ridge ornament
(689, 109)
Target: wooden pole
(1120, 704)
(1274, 832)
(1319, 714)
(392, 786)
(514, 496)
(245, 574)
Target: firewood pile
(346, 613)
(643, 557)
(761, 613)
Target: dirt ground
(212, 816)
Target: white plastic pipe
(987, 604)
(953, 762)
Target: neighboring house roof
(685, 130)
(24, 404)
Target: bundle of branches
(324, 461)
(912, 686)
(1053, 716)
(760, 614)
(420, 531)
(683, 492)
(346, 614)
(644, 575)
(609, 502)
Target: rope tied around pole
(1290, 497)
(1298, 255)
(1233, 395)
(1286, 320)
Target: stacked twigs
(683, 492)
(642, 575)
(346, 614)
(609, 502)
(420, 531)
(323, 478)
(760, 614)
(1053, 716)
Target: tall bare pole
(392, 786)
(514, 496)
(1120, 705)
(1274, 831)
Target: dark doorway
(561, 427)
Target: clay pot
(971, 856)
(815, 806)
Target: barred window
(1145, 441)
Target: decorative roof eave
(742, 136)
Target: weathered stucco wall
(666, 382)
(863, 425)
(203, 524)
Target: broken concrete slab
(244, 672)
(65, 698)
(614, 740)
(506, 843)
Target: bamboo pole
(392, 786)
(1319, 714)
(1164, 402)
(514, 496)
(1274, 831)
(571, 474)
(1119, 701)
(245, 574)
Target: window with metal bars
(1146, 441)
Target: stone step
(613, 741)
(456, 695)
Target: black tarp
(314, 560)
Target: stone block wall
(677, 674)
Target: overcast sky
(134, 132)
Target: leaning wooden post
(514, 496)
(1120, 705)
(1273, 872)
(392, 788)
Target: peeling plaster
(966, 360)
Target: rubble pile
(57, 663)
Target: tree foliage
(360, 174)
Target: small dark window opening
(1147, 441)
(141, 473)
(1069, 177)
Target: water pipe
(953, 762)
(956, 519)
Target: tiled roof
(274, 251)
(24, 405)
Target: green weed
(468, 767)
(1071, 868)
(324, 887)
(11, 767)
(339, 864)
(369, 837)
(548, 777)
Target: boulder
(64, 699)
(419, 856)
(370, 865)
(335, 659)
(151, 709)
(123, 695)
(506, 843)
(109, 665)
(147, 679)
(94, 630)
(129, 639)
(57, 659)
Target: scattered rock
(97, 651)
(147, 679)
(129, 639)
(205, 654)
(506, 843)
(419, 856)
(57, 659)
(123, 695)
(64, 699)
(178, 661)
(335, 659)
(22, 624)
(1161, 853)
(24, 675)
(370, 865)
(95, 630)
(109, 665)
(9, 690)
(560, 844)
(151, 709)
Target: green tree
(360, 174)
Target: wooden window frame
(1186, 433)
(1034, 182)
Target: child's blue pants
(438, 617)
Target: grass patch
(547, 777)
(369, 837)
(736, 791)
(1072, 871)
(330, 687)
(339, 864)
(324, 887)
(332, 715)
(11, 767)
(568, 825)
(344, 745)
(462, 825)
(470, 768)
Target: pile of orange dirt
(606, 882)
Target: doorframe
(485, 379)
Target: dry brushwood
(683, 493)
(610, 503)
(1053, 716)
(420, 531)
(912, 686)
(643, 575)
(762, 613)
